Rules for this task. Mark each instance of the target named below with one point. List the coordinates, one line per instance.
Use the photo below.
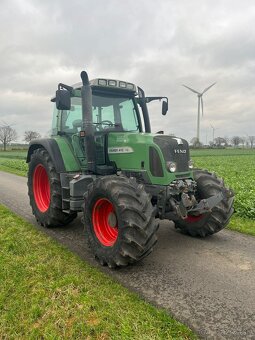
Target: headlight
(171, 166)
(112, 82)
(122, 84)
(191, 164)
(102, 82)
(130, 86)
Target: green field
(236, 166)
(221, 152)
(14, 162)
(16, 154)
(46, 292)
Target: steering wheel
(106, 122)
(99, 126)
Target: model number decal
(125, 149)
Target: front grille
(172, 151)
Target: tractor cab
(117, 106)
(111, 111)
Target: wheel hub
(105, 222)
(112, 220)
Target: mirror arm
(64, 86)
(150, 99)
(60, 87)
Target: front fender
(51, 146)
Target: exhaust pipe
(87, 119)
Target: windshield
(111, 113)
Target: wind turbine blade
(202, 106)
(207, 88)
(191, 89)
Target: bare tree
(251, 139)
(220, 141)
(242, 141)
(7, 135)
(29, 135)
(236, 140)
(227, 139)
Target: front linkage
(178, 200)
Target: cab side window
(71, 121)
(128, 116)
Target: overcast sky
(157, 45)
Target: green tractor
(102, 160)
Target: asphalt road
(209, 284)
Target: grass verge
(48, 292)
(14, 166)
(242, 225)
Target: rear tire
(44, 190)
(208, 184)
(119, 221)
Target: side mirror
(164, 107)
(63, 100)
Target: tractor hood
(151, 153)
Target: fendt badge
(179, 151)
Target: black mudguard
(51, 146)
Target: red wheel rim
(105, 222)
(41, 188)
(193, 219)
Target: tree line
(248, 141)
(8, 135)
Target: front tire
(208, 184)
(119, 221)
(44, 190)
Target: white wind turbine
(200, 103)
(213, 129)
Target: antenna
(200, 104)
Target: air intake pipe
(87, 119)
